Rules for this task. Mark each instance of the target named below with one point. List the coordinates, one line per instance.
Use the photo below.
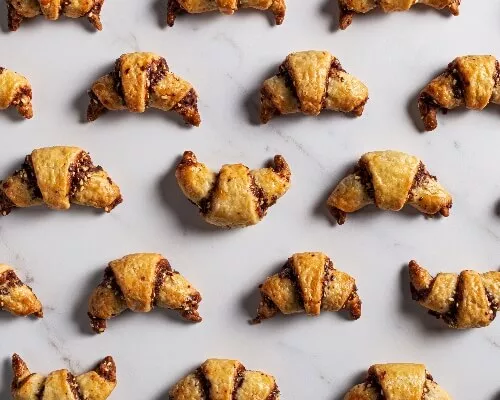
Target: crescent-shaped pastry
(140, 81)
(350, 7)
(140, 282)
(15, 91)
(63, 385)
(277, 7)
(389, 179)
(218, 379)
(53, 9)
(470, 81)
(309, 82)
(58, 176)
(236, 196)
(397, 382)
(309, 283)
(17, 297)
(466, 300)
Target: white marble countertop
(62, 255)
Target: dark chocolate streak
(258, 193)
(206, 203)
(204, 384)
(284, 72)
(287, 272)
(2, 69)
(458, 85)
(366, 178)
(117, 78)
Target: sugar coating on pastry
(62, 384)
(218, 379)
(309, 283)
(468, 81)
(19, 10)
(389, 179)
(397, 382)
(141, 81)
(15, 296)
(465, 300)
(309, 82)
(235, 196)
(139, 282)
(15, 91)
(58, 176)
(277, 7)
(348, 8)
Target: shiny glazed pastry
(277, 7)
(16, 297)
(58, 176)
(470, 81)
(309, 283)
(54, 9)
(140, 282)
(219, 379)
(465, 300)
(63, 385)
(389, 179)
(397, 382)
(309, 82)
(350, 7)
(15, 91)
(236, 196)
(140, 81)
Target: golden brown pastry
(309, 283)
(140, 81)
(389, 179)
(236, 196)
(53, 9)
(57, 176)
(466, 300)
(15, 91)
(140, 282)
(350, 7)
(219, 379)
(309, 82)
(397, 382)
(63, 385)
(277, 7)
(470, 81)
(16, 297)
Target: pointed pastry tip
(19, 368)
(107, 369)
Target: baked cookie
(465, 300)
(236, 196)
(309, 82)
(277, 7)
(309, 283)
(58, 176)
(389, 179)
(140, 81)
(53, 9)
(15, 91)
(140, 282)
(350, 7)
(397, 382)
(219, 379)
(16, 297)
(470, 81)
(63, 385)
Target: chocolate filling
(6, 205)
(14, 17)
(80, 172)
(451, 316)
(274, 393)
(258, 193)
(287, 272)
(173, 9)
(162, 270)
(204, 384)
(366, 178)
(238, 381)
(206, 203)
(458, 84)
(372, 381)
(284, 72)
(21, 92)
(493, 305)
(8, 280)
(73, 385)
(1, 70)
(188, 108)
(117, 78)
(95, 108)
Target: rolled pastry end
(94, 15)
(278, 8)
(15, 19)
(345, 17)
(267, 108)
(353, 305)
(187, 108)
(339, 215)
(428, 111)
(97, 324)
(420, 279)
(95, 108)
(267, 309)
(19, 370)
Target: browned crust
(15, 19)
(187, 108)
(95, 108)
(173, 9)
(107, 369)
(339, 215)
(8, 280)
(19, 369)
(94, 15)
